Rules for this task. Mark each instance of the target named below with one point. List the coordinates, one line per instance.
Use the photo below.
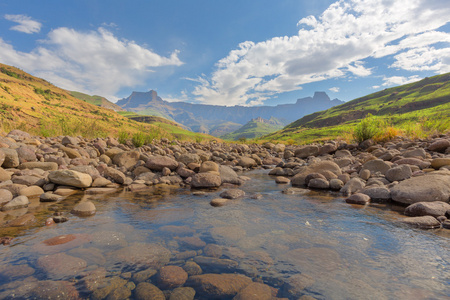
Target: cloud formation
(336, 44)
(25, 24)
(334, 89)
(94, 62)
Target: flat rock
(216, 265)
(414, 162)
(142, 255)
(61, 265)
(424, 222)
(55, 290)
(217, 202)
(435, 209)
(426, 188)
(70, 178)
(232, 194)
(46, 166)
(218, 286)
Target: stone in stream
(228, 175)
(192, 242)
(182, 293)
(141, 255)
(147, 291)
(23, 220)
(256, 291)
(213, 250)
(294, 286)
(50, 197)
(377, 193)
(31, 191)
(192, 268)
(354, 185)
(170, 277)
(218, 286)
(84, 209)
(282, 180)
(206, 180)
(54, 290)
(424, 222)
(319, 183)
(427, 188)
(144, 275)
(435, 209)
(232, 194)
(358, 198)
(15, 203)
(336, 184)
(5, 196)
(217, 202)
(61, 265)
(318, 167)
(216, 265)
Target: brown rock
(247, 162)
(55, 290)
(305, 151)
(126, 159)
(424, 222)
(232, 194)
(255, 291)
(440, 162)
(70, 178)
(61, 265)
(142, 254)
(413, 161)
(426, 188)
(216, 286)
(11, 159)
(157, 163)
(217, 202)
(25, 220)
(206, 180)
(192, 242)
(435, 209)
(170, 277)
(84, 209)
(147, 291)
(182, 293)
(358, 198)
(4, 175)
(439, 145)
(319, 167)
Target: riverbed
(340, 251)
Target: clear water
(350, 252)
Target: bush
(368, 128)
(139, 139)
(123, 137)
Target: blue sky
(227, 52)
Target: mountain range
(206, 118)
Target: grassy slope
(426, 102)
(253, 129)
(36, 106)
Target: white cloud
(399, 80)
(334, 89)
(333, 45)
(94, 62)
(26, 24)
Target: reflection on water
(322, 246)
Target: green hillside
(414, 109)
(96, 100)
(255, 128)
(36, 106)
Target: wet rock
(144, 275)
(377, 193)
(107, 286)
(424, 222)
(25, 220)
(192, 268)
(213, 250)
(177, 230)
(13, 272)
(192, 242)
(336, 184)
(398, 173)
(216, 265)
(434, 209)
(61, 243)
(170, 277)
(84, 209)
(282, 180)
(92, 256)
(294, 286)
(319, 183)
(61, 265)
(157, 163)
(109, 238)
(358, 198)
(217, 202)
(426, 188)
(218, 286)
(11, 159)
(16, 203)
(255, 291)
(54, 290)
(292, 191)
(121, 293)
(182, 293)
(70, 178)
(312, 176)
(142, 255)
(50, 197)
(440, 162)
(232, 194)
(206, 180)
(147, 291)
(316, 260)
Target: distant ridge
(203, 118)
(255, 128)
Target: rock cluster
(408, 172)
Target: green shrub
(123, 137)
(139, 139)
(368, 128)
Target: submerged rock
(218, 286)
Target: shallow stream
(343, 251)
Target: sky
(227, 52)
